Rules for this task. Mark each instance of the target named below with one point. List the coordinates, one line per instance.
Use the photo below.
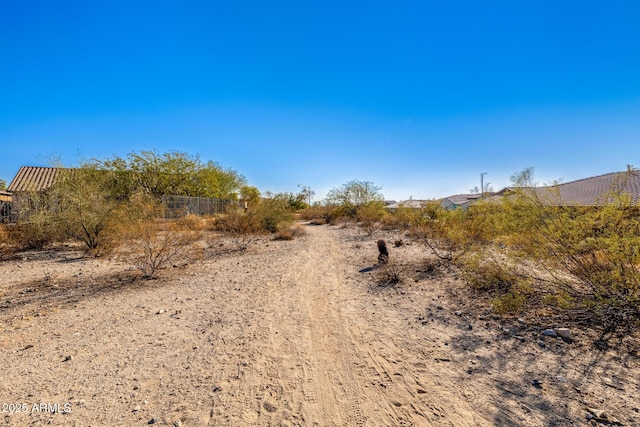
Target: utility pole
(482, 183)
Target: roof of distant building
(33, 178)
(593, 191)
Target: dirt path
(331, 364)
(285, 334)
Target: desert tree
(171, 173)
(215, 180)
(83, 205)
(250, 195)
(353, 195)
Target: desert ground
(290, 333)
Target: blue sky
(419, 97)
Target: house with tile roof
(594, 191)
(459, 201)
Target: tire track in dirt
(362, 369)
(329, 356)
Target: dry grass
(195, 222)
(6, 244)
(389, 275)
(289, 232)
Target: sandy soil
(288, 333)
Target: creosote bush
(370, 216)
(266, 216)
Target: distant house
(593, 191)
(28, 179)
(459, 201)
(411, 204)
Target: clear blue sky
(419, 97)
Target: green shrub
(370, 216)
(84, 207)
(511, 302)
(488, 275)
(267, 216)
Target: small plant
(7, 244)
(488, 275)
(289, 232)
(390, 274)
(149, 243)
(511, 302)
(192, 222)
(151, 247)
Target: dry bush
(432, 267)
(449, 235)
(150, 243)
(318, 221)
(590, 252)
(151, 246)
(288, 232)
(193, 222)
(488, 275)
(7, 243)
(511, 290)
(321, 214)
(35, 232)
(390, 274)
(267, 216)
(238, 222)
(36, 225)
(404, 218)
(370, 216)
(511, 302)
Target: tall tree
(355, 194)
(172, 173)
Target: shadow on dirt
(44, 294)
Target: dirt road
(287, 333)
(330, 361)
